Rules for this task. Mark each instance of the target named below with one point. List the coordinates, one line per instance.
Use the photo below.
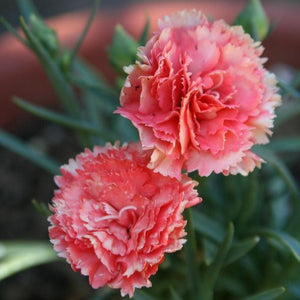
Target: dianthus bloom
(200, 97)
(113, 218)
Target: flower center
(122, 214)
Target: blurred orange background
(21, 74)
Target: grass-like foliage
(243, 240)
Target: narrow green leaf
(209, 251)
(212, 272)
(27, 9)
(59, 118)
(267, 295)
(45, 35)
(21, 255)
(92, 81)
(240, 249)
(250, 199)
(40, 30)
(190, 251)
(62, 87)
(122, 51)
(254, 20)
(208, 227)
(216, 266)
(99, 98)
(41, 208)
(15, 33)
(87, 26)
(290, 242)
(145, 33)
(285, 144)
(281, 168)
(140, 295)
(98, 89)
(15, 145)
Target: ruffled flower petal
(114, 218)
(203, 99)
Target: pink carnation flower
(200, 97)
(113, 218)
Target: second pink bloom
(200, 97)
(114, 219)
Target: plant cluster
(202, 102)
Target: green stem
(63, 120)
(15, 145)
(61, 86)
(250, 200)
(21, 255)
(213, 271)
(27, 9)
(14, 32)
(78, 43)
(190, 250)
